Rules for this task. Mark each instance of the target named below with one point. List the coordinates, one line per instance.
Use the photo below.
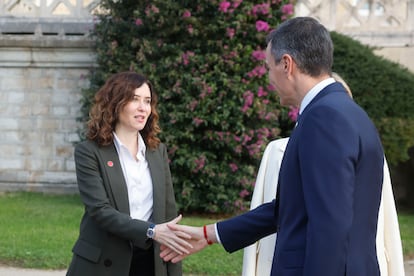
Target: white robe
(257, 258)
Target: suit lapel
(155, 165)
(116, 180)
(333, 87)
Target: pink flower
(230, 32)
(206, 91)
(172, 150)
(186, 57)
(248, 100)
(200, 162)
(258, 71)
(155, 9)
(287, 9)
(246, 139)
(138, 22)
(244, 193)
(224, 6)
(198, 121)
(271, 88)
(233, 167)
(190, 29)
(261, 9)
(293, 113)
(259, 55)
(193, 104)
(262, 26)
(186, 14)
(237, 3)
(270, 116)
(261, 92)
(220, 135)
(151, 8)
(253, 150)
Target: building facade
(387, 25)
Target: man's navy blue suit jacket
(326, 208)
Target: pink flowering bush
(206, 62)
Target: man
(326, 208)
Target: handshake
(179, 241)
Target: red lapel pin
(110, 164)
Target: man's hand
(198, 241)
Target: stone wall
(40, 87)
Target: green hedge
(384, 89)
(205, 59)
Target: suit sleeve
(328, 152)
(240, 231)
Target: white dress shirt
(313, 92)
(138, 179)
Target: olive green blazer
(107, 232)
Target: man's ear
(287, 63)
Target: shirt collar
(313, 92)
(141, 146)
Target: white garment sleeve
(257, 258)
(389, 247)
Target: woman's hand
(198, 241)
(176, 240)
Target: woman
(125, 184)
(257, 258)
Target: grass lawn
(38, 231)
(406, 222)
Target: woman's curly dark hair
(110, 99)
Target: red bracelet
(205, 235)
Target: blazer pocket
(87, 251)
(292, 258)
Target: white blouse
(138, 179)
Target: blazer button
(107, 262)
